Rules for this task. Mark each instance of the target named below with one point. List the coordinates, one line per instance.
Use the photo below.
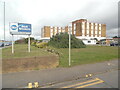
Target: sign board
(20, 28)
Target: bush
(42, 45)
(62, 41)
(33, 43)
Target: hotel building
(49, 31)
(82, 29)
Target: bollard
(36, 85)
(29, 85)
(90, 75)
(86, 75)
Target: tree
(31, 39)
(62, 41)
(20, 41)
(115, 37)
(24, 40)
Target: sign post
(29, 43)
(12, 44)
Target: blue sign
(20, 28)
(24, 27)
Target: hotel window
(91, 27)
(88, 26)
(99, 28)
(83, 23)
(95, 32)
(96, 27)
(87, 23)
(95, 24)
(83, 26)
(51, 30)
(91, 24)
(83, 30)
(100, 25)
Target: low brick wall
(24, 64)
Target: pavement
(60, 75)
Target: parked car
(114, 44)
(2, 45)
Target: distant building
(117, 41)
(109, 41)
(49, 31)
(87, 31)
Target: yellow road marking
(81, 83)
(90, 84)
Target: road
(55, 76)
(105, 80)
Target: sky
(41, 13)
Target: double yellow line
(95, 81)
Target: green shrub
(42, 45)
(62, 41)
(33, 43)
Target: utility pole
(4, 24)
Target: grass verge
(21, 51)
(90, 54)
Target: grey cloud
(99, 11)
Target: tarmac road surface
(59, 75)
(105, 80)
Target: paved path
(57, 75)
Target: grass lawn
(21, 51)
(90, 54)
